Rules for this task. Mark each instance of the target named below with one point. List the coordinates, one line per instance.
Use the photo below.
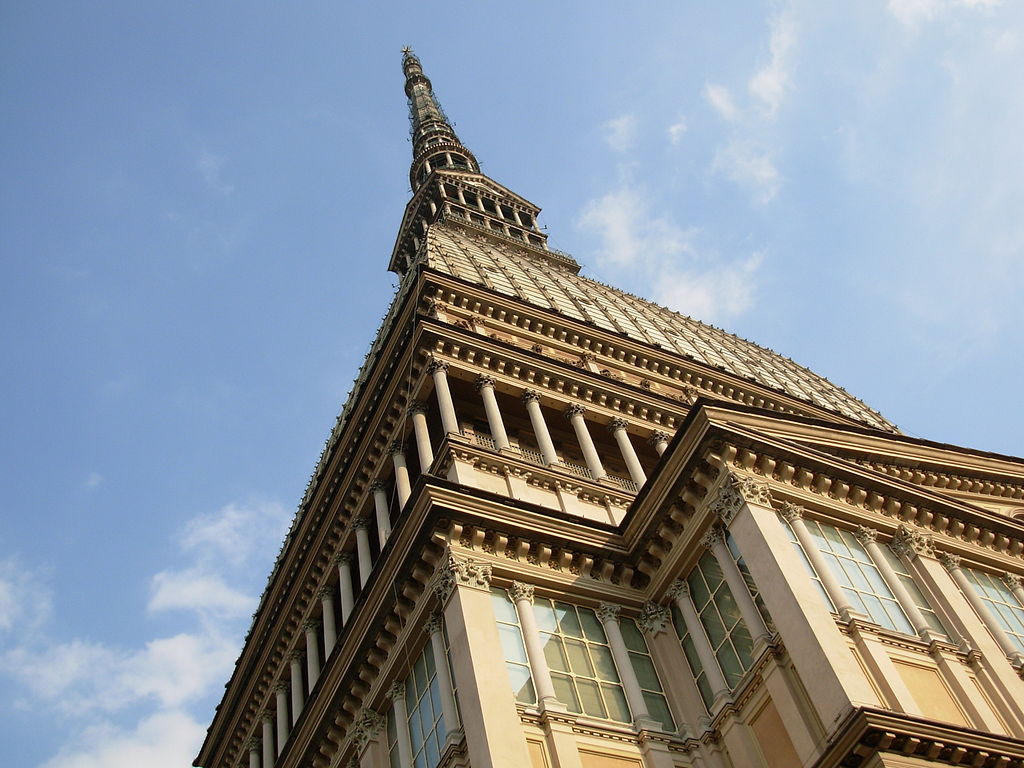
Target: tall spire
(434, 142)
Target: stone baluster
(574, 413)
(540, 427)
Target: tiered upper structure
(558, 525)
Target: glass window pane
(643, 667)
(433, 757)
(592, 628)
(743, 644)
(713, 626)
(727, 608)
(698, 590)
(504, 610)
(512, 643)
(730, 664)
(631, 635)
(712, 571)
(590, 698)
(567, 621)
(658, 709)
(705, 690)
(604, 664)
(565, 691)
(691, 655)
(579, 659)
(554, 653)
(522, 684)
(618, 709)
(545, 615)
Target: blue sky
(201, 199)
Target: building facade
(557, 526)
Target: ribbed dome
(544, 283)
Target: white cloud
(234, 531)
(677, 129)
(771, 83)
(195, 590)
(93, 480)
(662, 255)
(620, 132)
(914, 12)
(751, 167)
(210, 168)
(720, 99)
(25, 602)
(161, 740)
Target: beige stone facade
(558, 526)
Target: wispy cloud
(130, 705)
(749, 166)
(720, 99)
(663, 255)
(771, 83)
(677, 129)
(93, 480)
(915, 12)
(211, 168)
(620, 132)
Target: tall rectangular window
(903, 574)
(692, 658)
(516, 662)
(646, 674)
(1001, 602)
(858, 576)
(426, 721)
(720, 616)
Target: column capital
(310, 625)
(713, 535)
(295, 657)
(657, 436)
(377, 485)
(252, 744)
(279, 686)
(360, 522)
(737, 490)
(949, 561)
(574, 409)
(365, 727)
(865, 535)
(342, 558)
(434, 623)
(520, 591)
(325, 593)
(417, 406)
(608, 612)
(617, 424)
(267, 714)
(459, 571)
(1013, 581)
(396, 446)
(653, 618)
(791, 512)
(908, 542)
(436, 365)
(677, 589)
(397, 690)
(530, 395)
(482, 381)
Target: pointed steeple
(434, 142)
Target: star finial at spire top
(407, 50)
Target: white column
(380, 508)
(680, 593)
(281, 696)
(253, 745)
(361, 525)
(298, 694)
(574, 413)
(348, 599)
(444, 677)
(868, 539)
(1006, 645)
(268, 738)
(714, 540)
(794, 516)
(659, 440)
(312, 653)
(400, 711)
(326, 595)
(618, 429)
(438, 371)
(540, 427)
(608, 613)
(402, 486)
(485, 386)
(418, 412)
(522, 596)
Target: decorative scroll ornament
(520, 591)
(365, 728)
(484, 381)
(653, 618)
(616, 424)
(1012, 581)
(791, 512)
(397, 690)
(736, 491)
(310, 625)
(659, 437)
(455, 571)
(949, 561)
(436, 365)
(712, 536)
(575, 409)
(433, 623)
(865, 535)
(910, 543)
(678, 588)
(530, 395)
(608, 612)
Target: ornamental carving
(865, 535)
(365, 727)
(484, 381)
(310, 625)
(280, 687)
(456, 571)
(791, 512)
(396, 447)
(574, 410)
(342, 558)
(295, 656)
(378, 486)
(678, 589)
(397, 690)
(417, 406)
(436, 365)
(1013, 581)
(658, 437)
(433, 623)
(325, 593)
(909, 543)
(653, 618)
(735, 492)
(712, 536)
(360, 522)
(949, 561)
(520, 591)
(530, 396)
(616, 424)
(608, 612)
